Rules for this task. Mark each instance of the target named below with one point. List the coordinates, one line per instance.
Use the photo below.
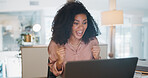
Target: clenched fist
(96, 52)
(61, 54)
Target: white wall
(1, 39)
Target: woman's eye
(75, 23)
(85, 23)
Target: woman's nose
(81, 26)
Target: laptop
(105, 68)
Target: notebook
(105, 68)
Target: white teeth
(80, 32)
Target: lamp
(36, 27)
(112, 18)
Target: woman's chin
(78, 37)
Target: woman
(73, 38)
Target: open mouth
(79, 33)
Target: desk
(144, 76)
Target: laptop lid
(105, 68)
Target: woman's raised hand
(61, 54)
(96, 52)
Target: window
(131, 40)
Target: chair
(34, 61)
(50, 74)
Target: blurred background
(28, 22)
(17, 18)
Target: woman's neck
(74, 41)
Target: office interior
(19, 17)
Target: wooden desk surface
(144, 76)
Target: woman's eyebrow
(85, 20)
(78, 20)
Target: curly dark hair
(63, 22)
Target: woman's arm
(95, 49)
(52, 49)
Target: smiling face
(79, 26)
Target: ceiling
(120, 4)
(134, 6)
(91, 4)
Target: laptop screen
(105, 68)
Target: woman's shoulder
(52, 44)
(94, 41)
(52, 47)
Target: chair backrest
(34, 62)
(50, 74)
